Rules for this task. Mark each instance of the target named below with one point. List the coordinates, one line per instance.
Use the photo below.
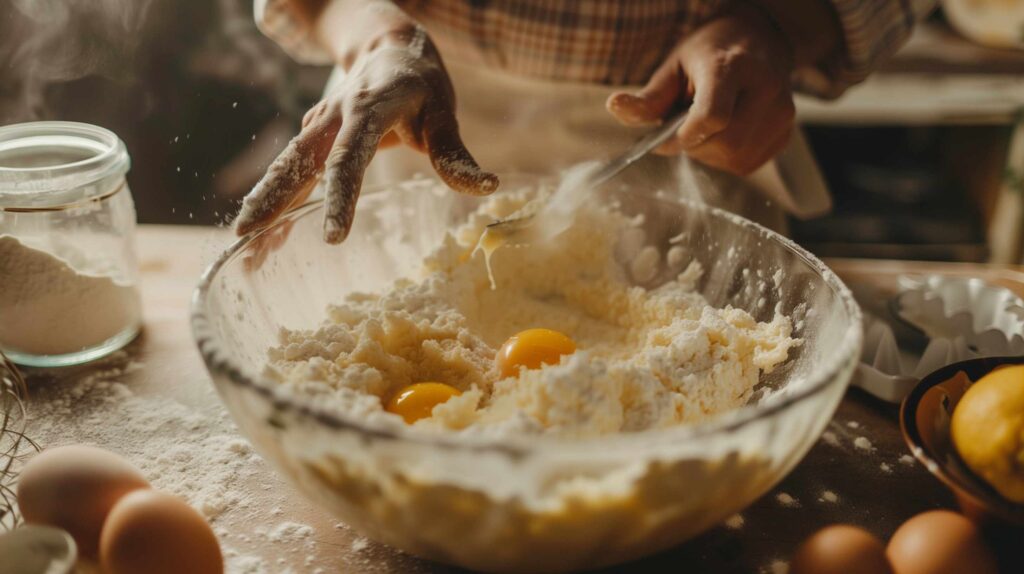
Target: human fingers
(390, 139)
(290, 177)
(315, 113)
(343, 176)
(449, 156)
(759, 131)
(652, 102)
(716, 89)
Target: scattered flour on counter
(829, 496)
(735, 522)
(289, 532)
(179, 449)
(830, 438)
(853, 424)
(785, 499)
(862, 443)
(885, 467)
(777, 567)
(240, 564)
(907, 460)
(360, 544)
(194, 453)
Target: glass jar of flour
(68, 274)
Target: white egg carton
(963, 318)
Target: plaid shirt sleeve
(279, 21)
(872, 31)
(606, 41)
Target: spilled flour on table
(195, 453)
(787, 500)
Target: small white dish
(963, 318)
(881, 371)
(988, 317)
(34, 549)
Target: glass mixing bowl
(522, 504)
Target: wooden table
(265, 529)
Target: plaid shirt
(612, 42)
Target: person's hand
(736, 70)
(396, 91)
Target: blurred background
(925, 160)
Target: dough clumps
(646, 358)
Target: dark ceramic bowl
(925, 419)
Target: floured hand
(736, 70)
(396, 91)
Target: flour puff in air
(646, 358)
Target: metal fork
(560, 207)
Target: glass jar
(68, 273)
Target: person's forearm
(811, 26)
(347, 27)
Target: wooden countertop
(264, 526)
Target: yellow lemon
(417, 401)
(531, 349)
(988, 430)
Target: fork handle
(642, 147)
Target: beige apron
(516, 125)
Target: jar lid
(50, 164)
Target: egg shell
(151, 532)
(940, 542)
(841, 549)
(74, 487)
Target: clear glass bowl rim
(113, 159)
(220, 366)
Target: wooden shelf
(938, 78)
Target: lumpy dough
(646, 359)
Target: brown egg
(74, 487)
(940, 542)
(150, 532)
(840, 549)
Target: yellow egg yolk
(531, 349)
(417, 401)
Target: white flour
(50, 307)
(196, 453)
(647, 358)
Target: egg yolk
(531, 349)
(417, 401)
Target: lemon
(988, 430)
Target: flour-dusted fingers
(316, 113)
(390, 139)
(343, 177)
(291, 176)
(449, 156)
